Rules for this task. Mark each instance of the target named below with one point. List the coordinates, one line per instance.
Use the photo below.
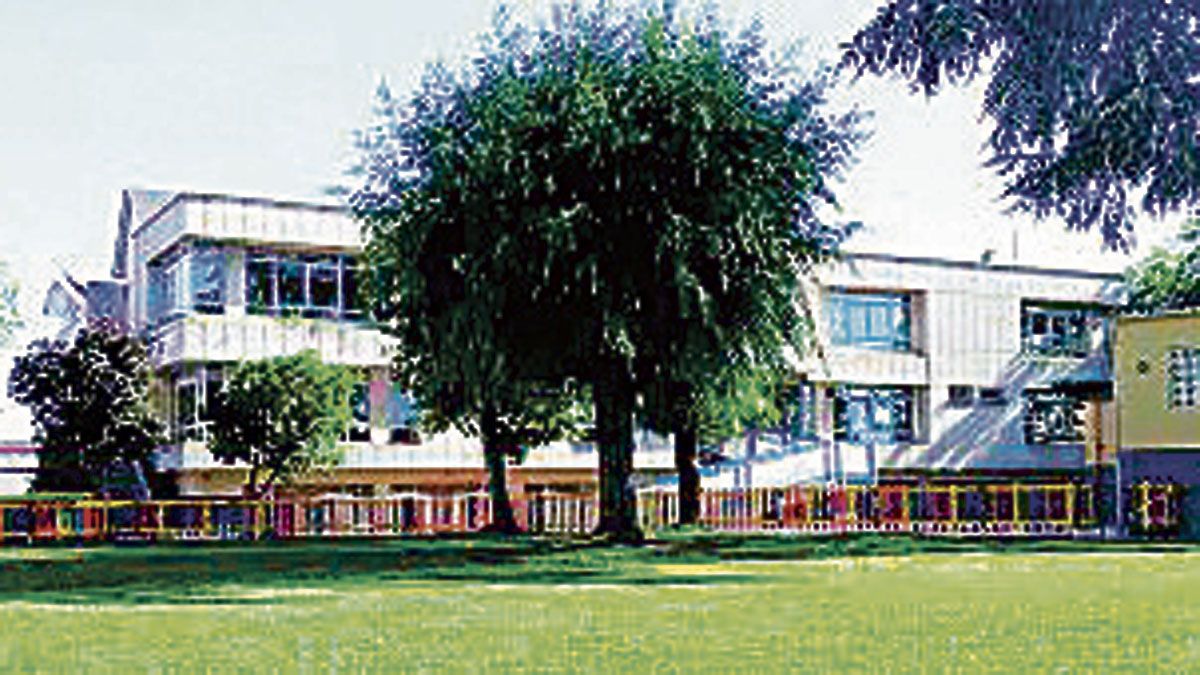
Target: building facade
(934, 370)
(921, 368)
(1158, 413)
(215, 279)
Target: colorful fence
(976, 509)
(983, 510)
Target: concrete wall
(1143, 419)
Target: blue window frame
(797, 422)
(315, 286)
(1049, 329)
(879, 414)
(190, 279)
(870, 320)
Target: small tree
(282, 416)
(91, 413)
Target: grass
(687, 602)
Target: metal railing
(983, 510)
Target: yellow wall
(1142, 416)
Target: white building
(215, 279)
(928, 368)
(945, 370)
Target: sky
(260, 98)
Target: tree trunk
(613, 393)
(495, 455)
(689, 475)
(502, 511)
(252, 483)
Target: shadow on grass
(202, 573)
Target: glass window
(208, 281)
(798, 419)
(1052, 417)
(260, 284)
(870, 320)
(186, 420)
(167, 293)
(1183, 378)
(315, 286)
(360, 414)
(1060, 330)
(402, 416)
(323, 286)
(878, 414)
(213, 384)
(961, 396)
(351, 302)
(292, 281)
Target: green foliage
(91, 413)
(1168, 278)
(10, 318)
(1092, 105)
(616, 204)
(737, 401)
(282, 415)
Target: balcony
(204, 338)
(249, 220)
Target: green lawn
(720, 603)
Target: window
(402, 417)
(260, 284)
(208, 281)
(1060, 330)
(323, 287)
(351, 303)
(167, 292)
(870, 320)
(874, 414)
(798, 422)
(312, 286)
(1183, 378)
(360, 414)
(992, 396)
(961, 396)
(1052, 417)
(187, 427)
(197, 401)
(292, 284)
(188, 280)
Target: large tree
(91, 413)
(475, 352)
(1093, 103)
(626, 195)
(282, 416)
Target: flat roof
(181, 197)
(970, 265)
(848, 255)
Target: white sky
(260, 98)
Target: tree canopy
(1169, 277)
(90, 406)
(283, 416)
(619, 197)
(1093, 105)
